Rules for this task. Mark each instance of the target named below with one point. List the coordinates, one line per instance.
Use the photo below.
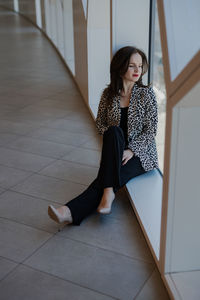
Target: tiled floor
(49, 152)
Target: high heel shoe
(105, 210)
(57, 217)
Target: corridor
(49, 153)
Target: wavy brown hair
(119, 66)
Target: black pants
(111, 174)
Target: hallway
(49, 153)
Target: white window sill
(145, 193)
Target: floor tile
(153, 289)
(6, 109)
(104, 232)
(6, 138)
(113, 274)
(44, 148)
(33, 115)
(5, 267)
(42, 91)
(73, 126)
(60, 136)
(19, 241)
(81, 115)
(19, 128)
(22, 160)
(94, 143)
(56, 190)
(70, 92)
(71, 171)
(64, 102)
(31, 284)
(1, 190)
(84, 156)
(10, 176)
(20, 101)
(28, 210)
(44, 111)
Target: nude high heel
(105, 210)
(57, 217)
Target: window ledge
(145, 193)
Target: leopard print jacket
(142, 122)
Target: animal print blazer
(142, 122)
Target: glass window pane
(159, 88)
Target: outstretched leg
(108, 176)
(78, 208)
(86, 203)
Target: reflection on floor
(49, 152)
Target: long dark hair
(119, 66)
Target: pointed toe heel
(57, 217)
(52, 214)
(104, 211)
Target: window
(158, 85)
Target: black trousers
(111, 174)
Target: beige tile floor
(49, 153)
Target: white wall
(80, 48)
(98, 43)
(47, 18)
(183, 243)
(183, 27)
(59, 27)
(131, 25)
(68, 34)
(38, 13)
(52, 22)
(16, 5)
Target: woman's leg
(108, 176)
(78, 208)
(109, 171)
(116, 175)
(111, 158)
(86, 203)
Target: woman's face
(134, 68)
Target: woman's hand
(128, 154)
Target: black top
(123, 123)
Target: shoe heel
(104, 211)
(62, 226)
(52, 215)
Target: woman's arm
(101, 120)
(140, 143)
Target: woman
(127, 119)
